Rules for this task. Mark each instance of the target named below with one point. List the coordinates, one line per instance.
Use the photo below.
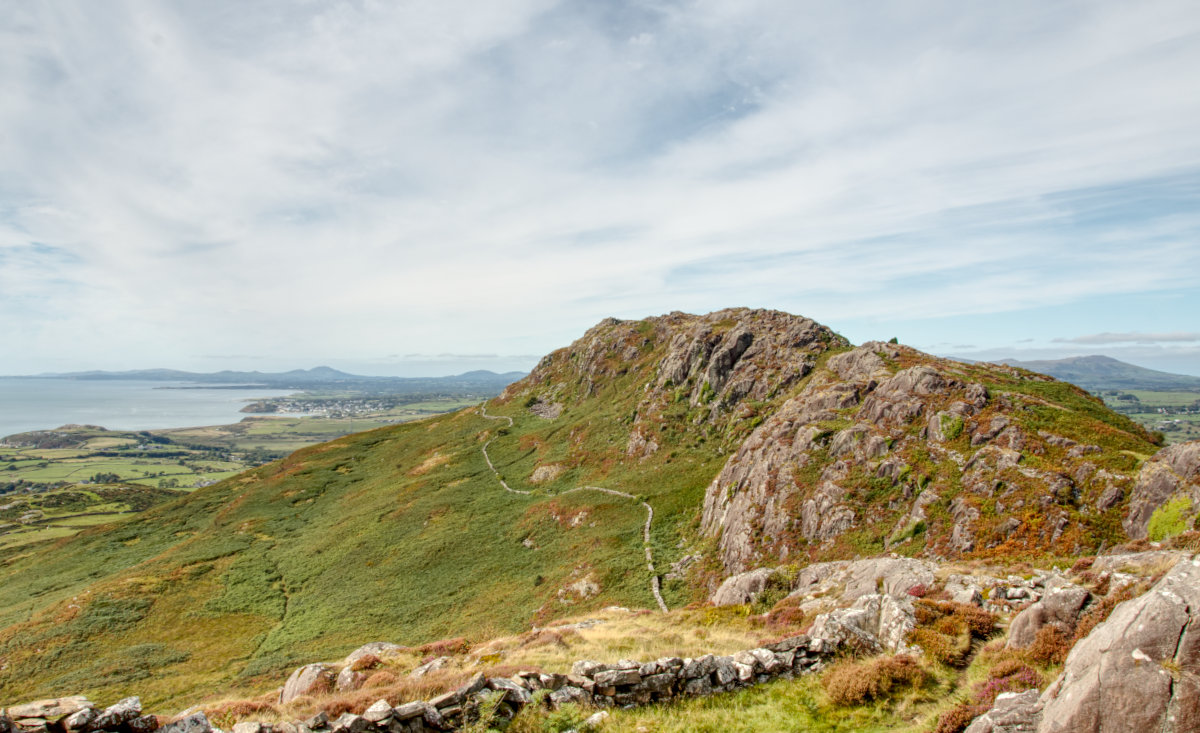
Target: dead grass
(855, 683)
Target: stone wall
(602, 685)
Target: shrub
(854, 683)
(950, 650)
(957, 718)
(227, 713)
(365, 662)
(1050, 646)
(444, 647)
(1170, 519)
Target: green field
(1175, 414)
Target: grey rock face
(1173, 470)
(1137, 671)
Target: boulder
(1013, 712)
(1173, 470)
(874, 623)
(308, 680)
(379, 711)
(431, 666)
(1059, 607)
(1137, 671)
(348, 680)
(379, 649)
(742, 588)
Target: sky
(427, 187)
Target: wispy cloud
(1132, 338)
(455, 177)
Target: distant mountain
(321, 377)
(1098, 372)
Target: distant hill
(317, 378)
(1098, 372)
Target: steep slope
(757, 437)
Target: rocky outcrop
(1174, 470)
(789, 481)
(1137, 671)
(851, 580)
(873, 624)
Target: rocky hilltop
(738, 457)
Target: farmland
(1176, 414)
(54, 483)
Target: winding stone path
(655, 583)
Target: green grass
(1170, 519)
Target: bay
(30, 403)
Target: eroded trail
(655, 583)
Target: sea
(30, 403)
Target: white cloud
(356, 179)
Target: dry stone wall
(625, 683)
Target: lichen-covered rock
(1173, 470)
(1137, 671)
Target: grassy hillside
(404, 534)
